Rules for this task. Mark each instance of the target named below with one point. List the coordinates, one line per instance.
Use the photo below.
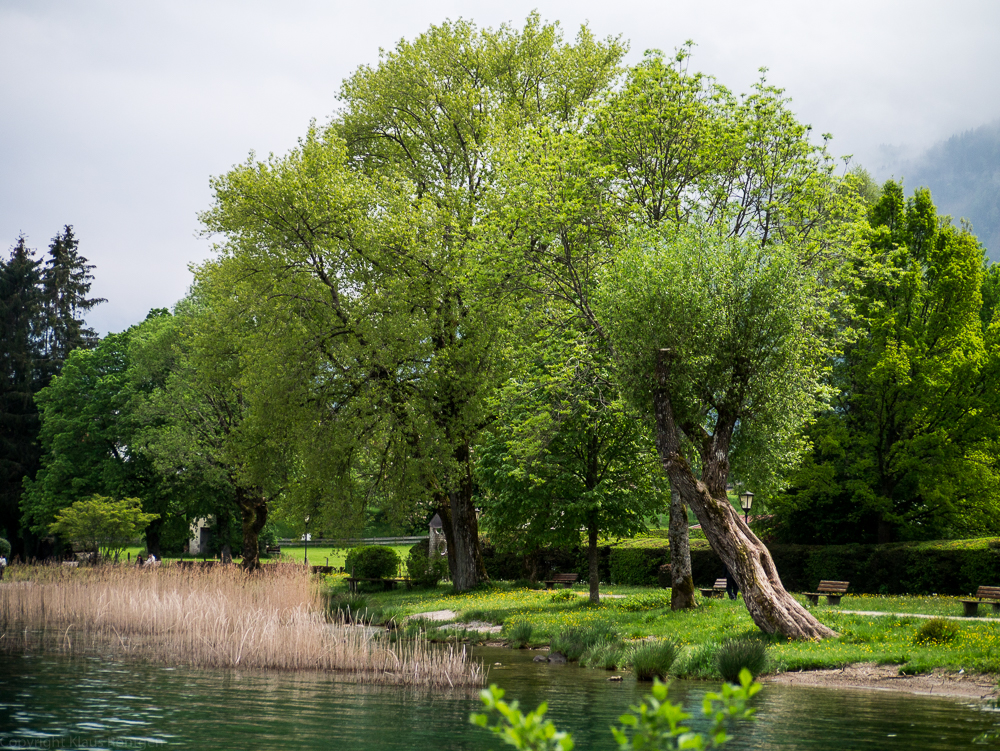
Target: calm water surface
(53, 702)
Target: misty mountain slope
(963, 174)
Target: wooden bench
(990, 594)
(272, 549)
(352, 582)
(833, 591)
(567, 579)
(717, 589)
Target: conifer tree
(66, 280)
(21, 325)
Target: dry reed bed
(211, 618)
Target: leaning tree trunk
(681, 580)
(771, 607)
(253, 509)
(593, 559)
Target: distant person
(732, 587)
(3, 566)
(138, 560)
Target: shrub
(735, 655)
(4, 548)
(518, 633)
(605, 655)
(421, 569)
(936, 631)
(563, 595)
(653, 659)
(574, 642)
(372, 562)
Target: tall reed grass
(219, 617)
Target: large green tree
(564, 455)
(722, 343)
(362, 246)
(667, 149)
(908, 447)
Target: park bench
(272, 549)
(352, 582)
(566, 579)
(716, 589)
(990, 594)
(833, 591)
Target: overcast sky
(115, 113)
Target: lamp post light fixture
(305, 558)
(746, 501)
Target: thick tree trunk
(771, 607)
(153, 537)
(253, 509)
(681, 581)
(469, 569)
(593, 572)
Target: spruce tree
(66, 281)
(21, 333)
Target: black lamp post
(746, 501)
(305, 559)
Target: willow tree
(724, 343)
(669, 149)
(363, 246)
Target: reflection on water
(74, 703)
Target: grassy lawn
(645, 612)
(318, 554)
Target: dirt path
(872, 677)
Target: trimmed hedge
(946, 567)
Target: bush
(4, 547)
(372, 562)
(735, 655)
(574, 642)
(936, 631)
(563, 595)
(421, 569)
(653, 659)
(698, 662)
(518, 633)
(605, 655)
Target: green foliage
(654, 659)
(530, 732)
(4, 547)
(654, 724)
(936, 631)
(563, 595)
(736, 655)
(102, 524)
(907, 449)
(421, 569)
(372, 562)
(572, 643)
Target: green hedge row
(947, 567)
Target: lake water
(53, 702)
